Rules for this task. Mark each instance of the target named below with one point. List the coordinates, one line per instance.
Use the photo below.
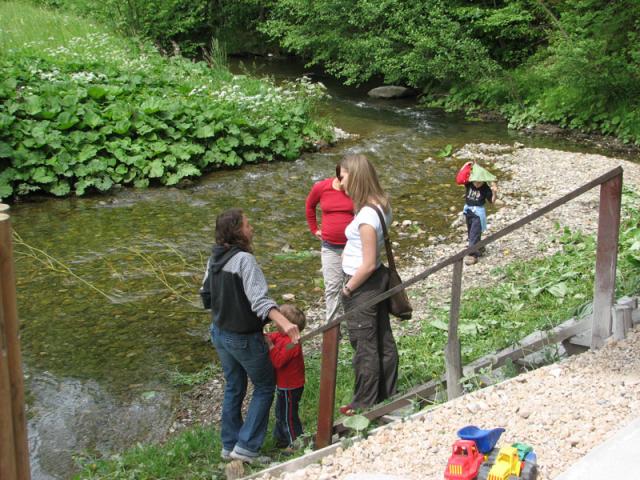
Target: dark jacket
(235, 289)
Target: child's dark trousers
(288, 426)
(474, 230)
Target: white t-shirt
(352, 254)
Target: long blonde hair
(362, 184)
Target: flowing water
(100, 344)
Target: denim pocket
(235, 341)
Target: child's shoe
(225, 454)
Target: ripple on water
(70, 416)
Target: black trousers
(288, 426)
(474, 230)
(375, 358)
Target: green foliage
(446, 151)
(408, 42)
(194, 454)
(359, 423)
(98, 111)
(179, 26)
(587, 78)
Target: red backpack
(463, 174)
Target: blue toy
(485, 439)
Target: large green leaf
(66, 120)
(157, 169)
(61, 188)
(97, 92)
(5, 150)
(206, 131)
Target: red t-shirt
(336, 208)
(288, 364)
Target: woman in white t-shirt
(375, 358)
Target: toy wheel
(529, 471)
(483, 473)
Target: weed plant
(83, 110)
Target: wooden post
(328, 374)
(452, 355)
(7, 450)
(12, 336)
(606, 259)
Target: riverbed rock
(391, 91)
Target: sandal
(348, 410)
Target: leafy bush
(100, 112)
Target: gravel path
(562, 410)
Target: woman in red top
(337, 212)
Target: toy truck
(509, 465)
(464, 462)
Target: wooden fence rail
(606, 258)
(14, 449)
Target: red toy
(464, 173)
(464, 462)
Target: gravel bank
(563, 410)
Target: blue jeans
(244, 355)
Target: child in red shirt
(288, 364)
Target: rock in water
(391, 91)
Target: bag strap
(385, 233)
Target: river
(107, 285)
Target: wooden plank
(606, 259)
(453, 358)
(529, 344)
(12, 335)
(328, 374)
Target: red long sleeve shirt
(336, 208)
(287, 363)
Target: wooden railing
(14, 450)
(606, 259)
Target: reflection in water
(71, 417)
(146, 249)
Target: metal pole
(452, 355)
(606, 259)
(328, 374)
(12, 335)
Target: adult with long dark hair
(235, 289)
(337, 212)
(375, 358)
